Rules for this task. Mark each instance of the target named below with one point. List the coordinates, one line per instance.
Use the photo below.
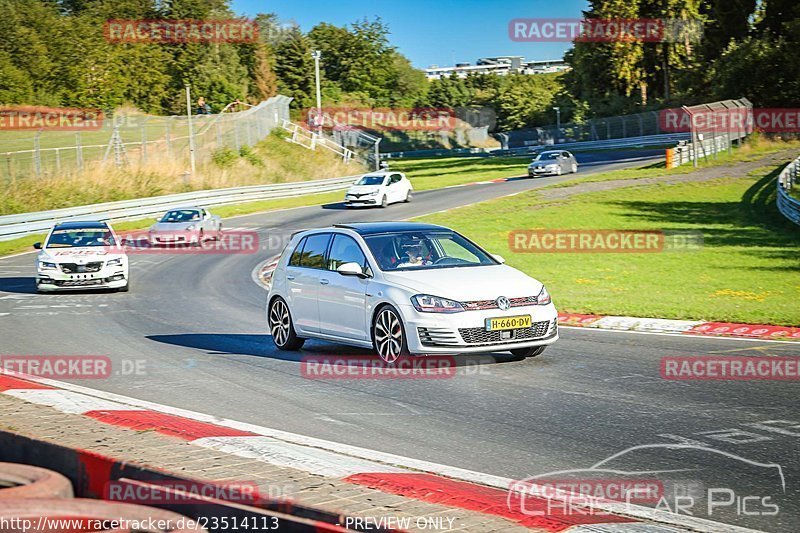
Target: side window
(313, 255)
(395, 178)
(297, 254)
(345, 250)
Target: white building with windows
(501, 66)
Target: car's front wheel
(408, 197)
(574, 168)
(384, 201)
(282, 328)
(522, 353)
(388, 336)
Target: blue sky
(433, 31)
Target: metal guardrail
(788, 206)
(20, 225)
(309, 139)
(629, 142)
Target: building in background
(501, 66)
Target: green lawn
(747, 271)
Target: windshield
(416, 250)
(181, 215)
(548, 156)
(74, 238)
(371, 180)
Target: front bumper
(542, 172)
(363, 200)
(106, 278)
(157, 239)
(434, 333)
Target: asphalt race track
(197, 322)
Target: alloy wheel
(388, 336)
(279, 322)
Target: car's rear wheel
(384, 201)
(282, 328)
(388, 336)
(408, 197)
(522, 353)
(574, 168)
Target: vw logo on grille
(503, 303)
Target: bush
(224, 157)
(250, 156)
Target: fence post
(167, 136)
(37, 155)
(144, 144)
(78, 151)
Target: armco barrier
(13, 226)
(90, 472)
(788, 206)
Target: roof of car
(372, 228)
(87, 224)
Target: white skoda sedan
(405, 288)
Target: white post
(191, 133)
(316, 54)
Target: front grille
(481, 336)
(480, 305)
(437, 336)
(74, 268)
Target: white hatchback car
(405, 288)
(379, 188)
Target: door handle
(324, 281)
(289, 277)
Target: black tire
(387, 321)
(523, 353)
(408, 197)
(281, 326)
(384, 201)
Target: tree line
(55, 53)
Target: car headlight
(191, 228)
(373, 193)
(544, 297)
(425, 303)
(44, 265)
(115, 262)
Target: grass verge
(746, 271)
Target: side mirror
(350, 269)
(499, 258)
(37, 245)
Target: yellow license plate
(508, 322)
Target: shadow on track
(25, 285)
(262, 346)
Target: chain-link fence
(137, 139)
(599, 129)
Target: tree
(295, 69)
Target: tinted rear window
(313, 255)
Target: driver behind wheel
(415, 253)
